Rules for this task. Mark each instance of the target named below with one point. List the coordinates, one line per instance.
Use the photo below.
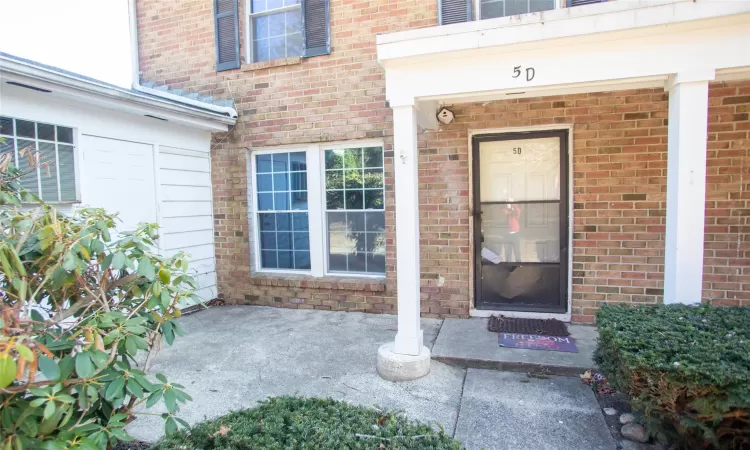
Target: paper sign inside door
(490, 255)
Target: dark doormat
(518, 325)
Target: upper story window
(489, 9)
(319, 209)
(276, 29)
(53, 178)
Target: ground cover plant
(308, 423)
(687, 368)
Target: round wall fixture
(445, 115)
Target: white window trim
(76, 157)
(316, 207)
(249, 16)
(478, 8)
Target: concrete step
(467, 343)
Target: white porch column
(686, 186)
(406, 358)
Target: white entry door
(119, 177)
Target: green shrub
(686, 367)
(308, 423)
(76, 305)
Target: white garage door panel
(184, 178)
(182, 162)
(119, 176)
(179, 224)
(183, 193)
(186, 239)
(185, 209)
(197, 252)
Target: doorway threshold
(484, 313)
(467, 343)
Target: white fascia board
(112, 98)
(561, 23)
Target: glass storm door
(521, 221)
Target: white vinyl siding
(186, 212)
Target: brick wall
(619, 155)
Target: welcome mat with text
(538, 342)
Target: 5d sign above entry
(530, 72)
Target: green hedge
(687, 368)
(308, 423)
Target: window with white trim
(320, 209)
(275, 29)
(45, 154)
(489, 9)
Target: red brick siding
(619, 154)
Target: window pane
(66, 163)
(48, 170)
(334, 159)
(265, 202)
(515, 7)
(523, 232)
(265, 183)
(29, 181)
(373, 157)
(374, 199)
(282, 234)
(286, 260)
(353, 179)
(267, 222)
(352, 158)
(280, 162)
(300, 222)
(46, 132)
(375, 221)
(263, 163)
(541, 5)
(492, 9)
(298, 161)
(373, 178)
(355, 237)
(277, 35)
(258, 6)
(280, 182)
(25, 128)
(334, 179)
(6, 126)
(354, 200)
(335, 200)
(7, 146)
(65, 134)
(298, 199)
(302, 260)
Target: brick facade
(619, 154)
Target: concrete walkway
(231, 357)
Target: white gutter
(136, 75)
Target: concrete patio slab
(505, 410)
(467, 343)
(231, 357)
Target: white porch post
(406, 358)
(686, 186)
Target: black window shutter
(453, 11)
(316, 18)
(226, 27)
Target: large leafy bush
(77, 306)
(686, 367)
(308, 423)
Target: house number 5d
(530, 72)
